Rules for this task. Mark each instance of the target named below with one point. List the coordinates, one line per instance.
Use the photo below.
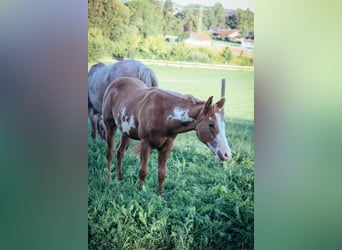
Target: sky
(228, 4)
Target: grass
(206, 205)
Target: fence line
(196, 65)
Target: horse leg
(100, 128)
(121, 148)
(144, 154)
(110, 129)
(163, 155)
(93, 117)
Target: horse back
(124, 92)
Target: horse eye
(211, 125)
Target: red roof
(225, 32)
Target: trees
(171, 24)
(138, 28)
(146, 17)
(215, 17)
(245, 21)
(189, 17)
(110, 17)
(232, 21)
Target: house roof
(200, 36)
(226, 32)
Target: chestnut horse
(155, 117)
(100, 76)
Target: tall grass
(206, 204)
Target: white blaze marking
(180, 115)
(220, 139)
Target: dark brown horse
(100, 76)
(155, 117)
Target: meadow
(206, 204)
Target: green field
(206, 204)
(203, 83)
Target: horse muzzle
(226, 156)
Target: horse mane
(146, 75)
(189, 97)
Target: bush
(96, 45)
(179, 52)
(227, 55)
(155, 47)
(119, 50)
(198, 56)
(243, 61)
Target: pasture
(206, 204)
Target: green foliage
(206, 204)
(171, 24)
(215, 17)
(119, 50)
(227, 55)
(111, 17)
(203, 55)
(135, 29)
(146, 17)
(243, 61)
(197, 56)
(154, 47)
(189, 18)
(96, 44)
(179, 52)
(245, 21)
(232, 21)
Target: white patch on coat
(180, 115)
(126, 124)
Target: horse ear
(207, 105)
(220, 103)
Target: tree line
(139, 27)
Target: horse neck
(193, 111)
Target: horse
(100, 76)
(155, 117)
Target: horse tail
(146, 75)
(137, 148)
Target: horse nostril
(228, 156)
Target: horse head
(210, 129)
